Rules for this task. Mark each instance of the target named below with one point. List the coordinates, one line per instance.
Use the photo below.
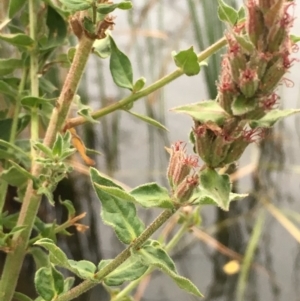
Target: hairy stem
(32, 200)
(132, 285)
(146, 91)
(122, 257)
(34, 81)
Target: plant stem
(13, 133)
(32, 200)
(122, 257)
(146, 91)
(34, 81)
(172, 243)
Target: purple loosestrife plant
(258, 56)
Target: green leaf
(69, 282)
(152, 195)
(187, 60)
(35, 102)
(105, 9)
(139, 84)
(17, 39)
(58, 146)
(41, 259)
(83, 268)
(130, 270)
(48, 283)
(57, 256)
(6, 89)
(70, 207)
(120, 67)
(116, 212)
(57, 29)
(155, 256)
(242, 105)
(102, 47)
(15, 150)
(77, 5)
(241, 13)
(214, 189)
(148, 120)
(116, 192)
(21, 297)
(204, 111)
(9, 65)
(14, 177)
(45, 149)
(227, 13)
(272, 117)
(294, 38)
(14, 7)
(84, 110)
(237, 196)
(46, 86)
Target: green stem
(31, 201)
(13, 133)
(144, 92)
(249, 256)
(123, 256)
(34, 81)
(172, 243)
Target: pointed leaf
(130, 270)
(139, 84)
(35, 102)
(152, 195)
(227, 13)
(83, 268)
(148, 120)
(294, 38)
(14, 177)
(215, 188)
(48, 283)
(21, 297)
(120, 67)
(17, 39)
(204, 111)
(7, 66)
(102, 47)
(57, 256)
(6, 89)
(105, 9)
(157, 257)
(116, 212)
(187, 60)
(68, 283)
(14, 7)
(116, 192)
(242, 105)
(41, 259)
(77, 5)
(272, 117)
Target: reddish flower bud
(177, 153)
(255, 24)
(248, 82)
(276, 37)
(273, 75)
(259, 60)
(183, 168)
(185, 190)
(274, 13)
